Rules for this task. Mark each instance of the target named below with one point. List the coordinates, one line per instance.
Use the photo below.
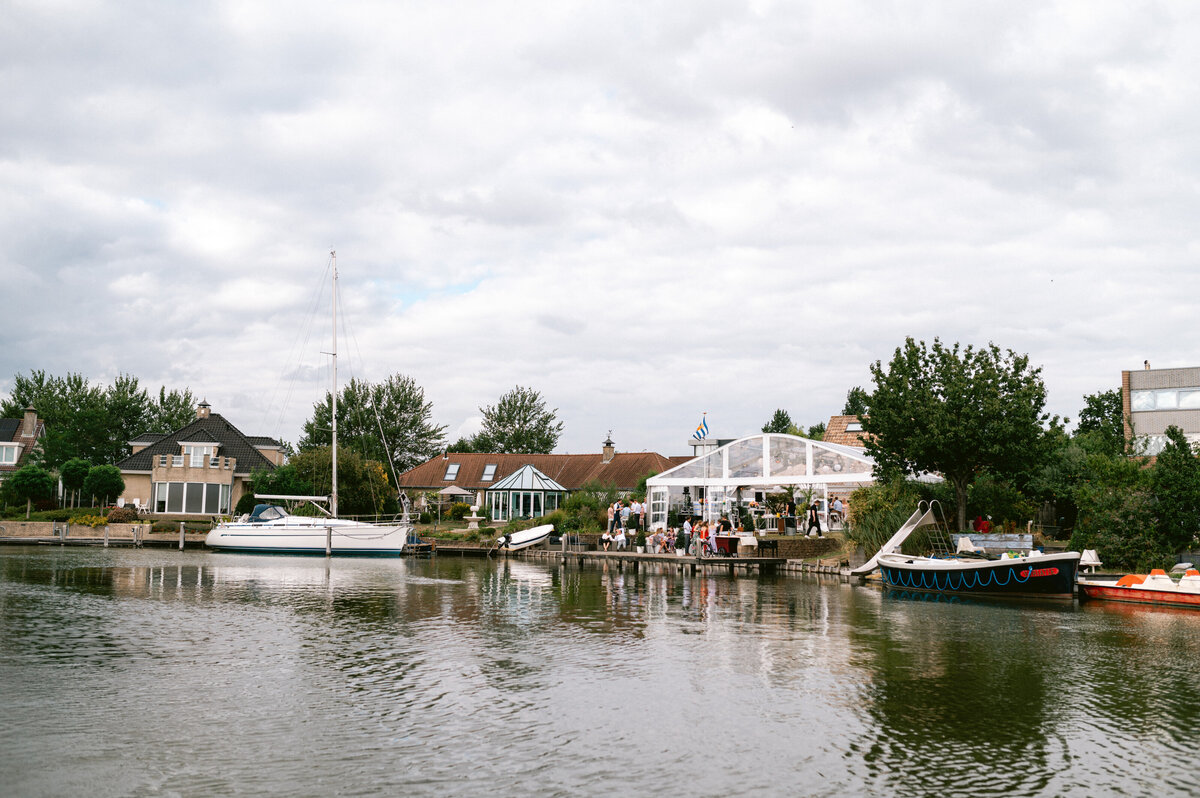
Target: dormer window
(8, 454)
(489, 472)
(451, 472)
(854, 426)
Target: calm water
(158, 673)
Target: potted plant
(681, 544)
(641, 541)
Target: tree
(170, 411)
(1175, 483)
(397, 405)
(30, 483)
(856, 402)
(1102, 422)
(817, 431)
(475, 443)
(91, 421)
(955, 411)
(520, 423)
(363, 486)
(780, 422)
(73, 473)
(104, 482)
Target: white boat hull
(301, 535)
(525, 538)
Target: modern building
(18, 438)
(1154, 399)
(199, 469)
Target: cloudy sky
(644, 210)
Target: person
(790, 510)
(611, 514)
(814, 520)
(838, 511)
(619, 539)
(624, 516)
(725, 525)
(639, 510)
(687, 527)
(605, 540)
(670, 539)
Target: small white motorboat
(525, 538)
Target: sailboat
(271, 528)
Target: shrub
(458, 510)
(94, 521)
(424, 518)
(122, 515)
(245, 504)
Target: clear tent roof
(772, 459)
(527, 478)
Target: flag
(701, 431)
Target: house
(481, 473)
(200, 469)
(18, 438)
(845, 431)
(1154, 399)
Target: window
(8, 454)
(451, 471)
(177, 460)
(489, 472)
(162, 461)
(197, 498)
(854, 426)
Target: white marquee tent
(767, 462)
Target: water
(142, 673)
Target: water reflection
(306, 676)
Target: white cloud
(645, 211)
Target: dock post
(181, 536)
(106, 536)
(64, 531)
(328, 541)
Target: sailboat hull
(301, 536)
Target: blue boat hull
(1052, 576)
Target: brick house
(199, 469)
(18, 439)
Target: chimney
(29, 425)
(1146, 363)
(202, 410)
(608, 450)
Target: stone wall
(800, 548)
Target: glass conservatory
(525, 493)
(743, 471)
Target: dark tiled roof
(149, 437)
(10, 431)
(263, 440)
(215, 427)
(572, 471)
(9, 427)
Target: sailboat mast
(333, 497)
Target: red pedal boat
(1157, 588)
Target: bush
(94, 521)
(245, 504)
(459, 510)
(122, 515)
(424, 518)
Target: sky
(644, 210)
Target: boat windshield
(266, 512)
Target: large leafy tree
(1175, 481)
(1101, 426)
(94, 422)
(388, 421)
(363, 485)
(520, 423)
(957, 412)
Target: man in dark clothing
(814, 521)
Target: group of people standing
(626, 515)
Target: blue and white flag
(701, 431)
